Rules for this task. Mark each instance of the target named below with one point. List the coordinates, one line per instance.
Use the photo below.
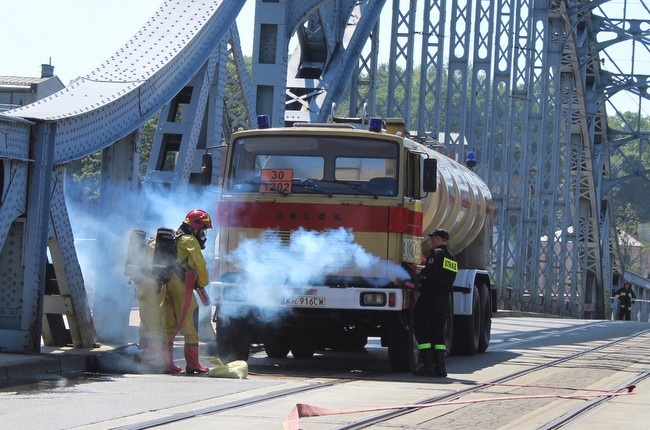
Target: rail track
(541, 384)
(589, 398)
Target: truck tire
(402, 346)
(277, 346)
(302, 346)
(486, 318)
(232, 339)
(468, 328)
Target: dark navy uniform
(433, 305)
(626, 298)
(436, 283)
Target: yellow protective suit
(189, 257)
(151, 315)
(149, 301)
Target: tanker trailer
(321, 231)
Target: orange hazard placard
(276, 180)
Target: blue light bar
(263, 121)
(375, 124)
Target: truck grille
(284, 235)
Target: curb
(22, 366)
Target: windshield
(313, 164)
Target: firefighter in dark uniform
(626, 299)
(433, 305)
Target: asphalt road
(595, 355)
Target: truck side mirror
(206, 169)
(430, 175)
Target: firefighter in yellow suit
(150, 311)
(180, 308)
(138, 267)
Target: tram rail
(460, 397)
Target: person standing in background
(626, 299)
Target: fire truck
(321, 232)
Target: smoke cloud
(102, 241)
(272, 269)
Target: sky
(76, 36)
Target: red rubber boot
(168, 359)
(192, 364)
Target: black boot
(426, 365)
(440, 359)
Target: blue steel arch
(527, 93)
(94, 113)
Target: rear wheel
(468, 328)
(486, 318)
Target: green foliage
(631, 159)
(627, 219)
(83, 176)
(147, 133)
(627, 227)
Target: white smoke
(102, 242)
(271, 269)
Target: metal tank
(462, 205)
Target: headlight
(373, 299)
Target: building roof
(626, 239)
(21, 81)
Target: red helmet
(198, 219)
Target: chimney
(47, 70)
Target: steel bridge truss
(520, 82)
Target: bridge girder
(519, 82)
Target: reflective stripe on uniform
(449, 264)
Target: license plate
(306, 301)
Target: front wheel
(302, 346)
(232, 339)
(277, 346)
(402, 346)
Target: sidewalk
(53, 360)
(59, 360)
(50, 360)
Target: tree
(83, 176)
(633, 252)
(631, 158)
